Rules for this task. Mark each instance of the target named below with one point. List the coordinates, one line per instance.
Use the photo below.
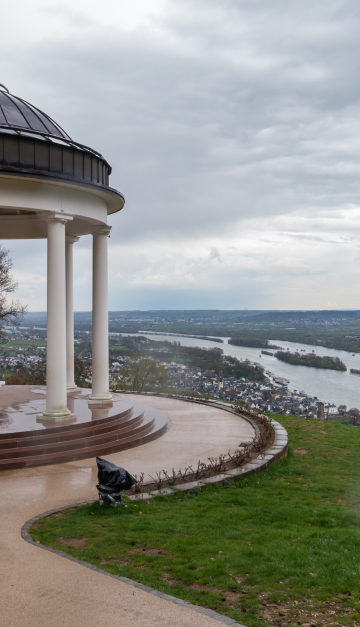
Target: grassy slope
(288, 538)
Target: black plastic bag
(113, 477)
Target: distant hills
(304, 316)
(209, 316)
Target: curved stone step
(116, 411)
(87, 430)
(86, 442)
(153, 425)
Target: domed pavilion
(55, 188)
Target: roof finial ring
(3, 87)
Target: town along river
(330, 386)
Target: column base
(100, 399)
(56, 415)
(72, 388)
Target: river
(330, 386)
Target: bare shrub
(137, 487)
(159, 481)
(171, 479)
(218, 465)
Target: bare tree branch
(11, 311)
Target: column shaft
(100, 333)
(70, 380)
(56, 399)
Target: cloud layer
(233, 129)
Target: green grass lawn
(282, 547)
(4, 374)
(30, 347)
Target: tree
(81, 374)
(11, 311)
(253, 342)
(36, 375)
(144, 373)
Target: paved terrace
(40, 588)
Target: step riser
(80, 444)
(128, 426)
(13, 464)
(116, 425)
(68, 428)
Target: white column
(56, 397)
(70, 380)
(100, 332)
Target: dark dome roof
(33, 145)
(20, 117)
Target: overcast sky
(233, 130)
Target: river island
(311, 360)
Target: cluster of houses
(10, 362)
(271, 395)
(161, 318)
(10, 358)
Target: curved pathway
(39, 588)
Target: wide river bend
(329, 386)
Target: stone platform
(29, 440)
(42, 588)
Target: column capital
(57, 216)
(103, 229)
(71, 239)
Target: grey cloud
(318, 238)
(71, 17)
(218, 113)
(215, 255)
